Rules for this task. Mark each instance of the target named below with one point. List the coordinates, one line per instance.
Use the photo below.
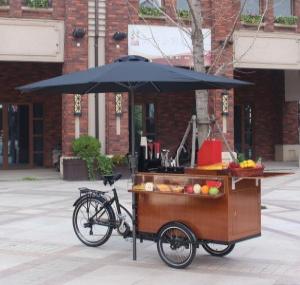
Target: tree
(217, 66)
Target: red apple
(189, 189)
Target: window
(252, 7)
(37, 3)
(182, 5)
(4, 2)
(150, 3)
(283, 8)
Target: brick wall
(13, 74)
(76, 58)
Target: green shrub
(287, 20)
(119, 159)
(150, 11)
(89, 149)
(37, 3)
(105, 164)
(184, 14)
(251, 19)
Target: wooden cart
(231, 216)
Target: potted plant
(286, 20)
(89, 163)
(120, 164)
(251, 19)
(151, 12)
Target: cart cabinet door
(245, 212)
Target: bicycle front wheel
(93, 223)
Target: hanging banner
(163, 44)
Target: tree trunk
(201, 96)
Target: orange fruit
(204, 189)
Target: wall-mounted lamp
(225, 102)
(77, 105)
(119, 36)
(78, 33)
(118, 104)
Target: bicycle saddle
(111, 179)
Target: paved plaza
(38, 245)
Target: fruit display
(246, 167)
(139, 187)
(189, 189)
(177, 188)
(210, 188)
(213, 183)
(149, 186)
(216, 166)
(248, 164)
(204, 189)
(197, 188)
(213, 191)
(163, 188)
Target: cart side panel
(244, 210)
(207, 218)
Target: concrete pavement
(38, 246)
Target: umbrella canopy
(132, 73)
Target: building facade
(40, 39)
(38, 42)
(263, 48)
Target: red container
(156, 149)
(210, 153)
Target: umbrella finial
(131, 58)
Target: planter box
(75, 170)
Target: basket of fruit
(246, 168)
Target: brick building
(262, 119)
(39, 42)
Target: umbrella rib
(155, 86)
(94, 86)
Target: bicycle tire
(110, 221)
(184, 239)
(216, 252)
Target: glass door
(243, 130)
(18, 134)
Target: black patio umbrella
(131, 74)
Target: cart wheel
(216, 249)
(176, 245)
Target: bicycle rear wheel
(93, 229)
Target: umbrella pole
(133, 167)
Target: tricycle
(178, 220)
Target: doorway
(15, 135)
(243, 130)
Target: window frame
(292, 9)
(162, 4)
(259, 8)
